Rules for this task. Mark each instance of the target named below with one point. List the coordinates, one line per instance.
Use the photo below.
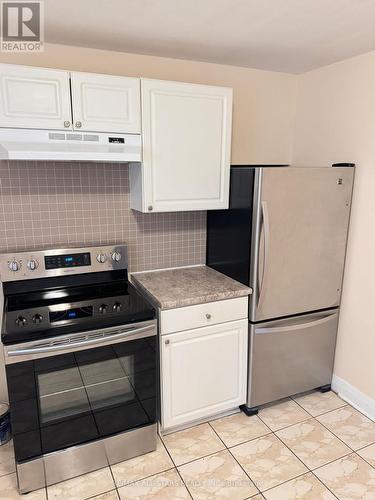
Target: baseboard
(353, 396)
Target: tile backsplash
(58, 204)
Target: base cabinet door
(34, 98)
(105, 103)
(203, 372)
(186, 133)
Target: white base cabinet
(203, 372)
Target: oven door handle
(97, 339)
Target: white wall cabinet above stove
(34, 98)
(186, 132)
(106, 103)
(39, 98)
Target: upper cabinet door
(34, 98)
(186, 132)
(103, 103)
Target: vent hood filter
(54, 145)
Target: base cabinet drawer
(211, 313)
(291, 356)
(203, 372)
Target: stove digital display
(69, 260)
(68, 314)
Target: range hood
(56, 145)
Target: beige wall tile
(49, 204)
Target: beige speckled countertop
(187, 286)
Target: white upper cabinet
(104, 103)
(186, 133)
(34, 98)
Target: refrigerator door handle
(298, 326)
(265, 230)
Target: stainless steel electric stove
(80, 353)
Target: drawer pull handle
(167, 342)
(208, 316)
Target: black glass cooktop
(56, 306)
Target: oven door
(75, 389)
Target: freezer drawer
(289, 356)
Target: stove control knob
(37, 318)
(32, 264)
(21, 321)
(101, 257)
(103, 308)
(117, 307)
(116, 256)
(14, 265)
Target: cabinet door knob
(78, 125)
(208, 316)
(150, 208)
(166, 342)
(67, 124)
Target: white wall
(335, 122)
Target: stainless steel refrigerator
(285, 235)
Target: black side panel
(229, 231)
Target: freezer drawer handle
(291, 328)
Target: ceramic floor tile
(7, 464)
(165, 486)
(303, 487)
(351, 426)
(239, 428)
(82, 487)
(368, 454)
(317, 402)
(217, 476)
(282, 414)
(142, 466)
(191, 444)
(8, 490)
(268, 461)
(312, 443)
(349, 478)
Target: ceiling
(281, 35)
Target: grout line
(97, 494)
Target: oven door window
(75, 398)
